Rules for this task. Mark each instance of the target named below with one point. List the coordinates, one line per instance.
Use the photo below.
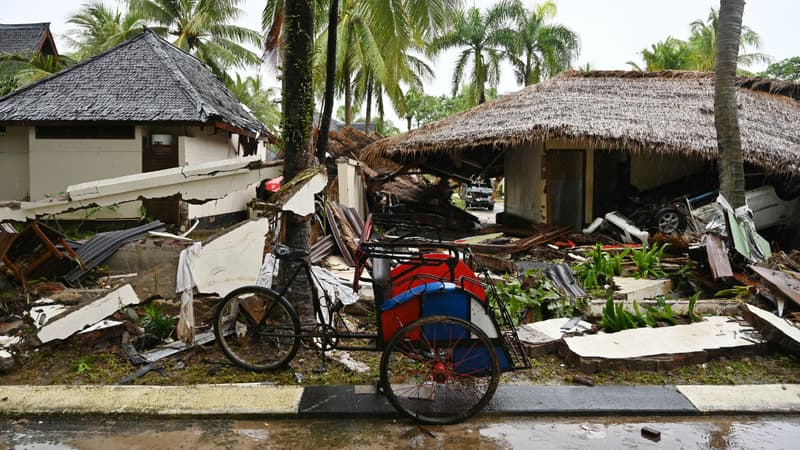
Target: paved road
(712, 432)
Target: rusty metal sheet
(717, 257)
(787, 283)
(335, 219)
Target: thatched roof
(143, 80)
(669, 112)
(348, 141)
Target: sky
(612, 32)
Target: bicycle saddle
(282, 251)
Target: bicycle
(443, 348)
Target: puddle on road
(485, 433)
(690, 433)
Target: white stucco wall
(195, 150)
(57, 163)
(523, 173)
(14, 173)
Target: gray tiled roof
(21, 38)
(145, 79)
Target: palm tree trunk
(348, 93)
(726, 121)
(330, 79)
(479, 72)
(298, 108)
(368, 115)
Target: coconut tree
(99, 28)
(538, 49)
(703, 43)
(726, 121)
(481, 37)
(374, 37)
(260, 99)
(204, 28)
(298, 107)
(669, 54)
(18, 70)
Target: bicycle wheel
(439, 370)
(257, 329)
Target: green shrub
(662, 312)
(542, 299)
(648, 261)
(599, 268)
(617, 318)
(157, 323)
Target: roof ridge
(32, 24)
(755, 83)
(177, 74)
(74, 66)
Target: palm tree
(539, 50)
(669, 54)
(298, 107)
(481, 36)
(204, 28)
(99, 28)
(259, 99)
(18, 70)
(726, 121)
(703, 44)
(374, 41)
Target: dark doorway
(565, 187)
(612, 181)
(158, 157)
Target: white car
(768, 209)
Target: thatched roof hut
(667, 112)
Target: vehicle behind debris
(479, 194)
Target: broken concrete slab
(232, 260)
(775, 329)
(638, 289)
(103, 331)
(194, 183)
(6, 360)
(71, 323)
(662, 348)
(541, 338)
(711, 307)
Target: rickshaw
(444, 335)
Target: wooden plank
(717, 257)
(786, 283)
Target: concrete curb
(255, 399)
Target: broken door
(565, 185)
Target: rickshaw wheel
(257, 329)
(439, 370)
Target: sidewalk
(254, 399)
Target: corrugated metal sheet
(102, 245)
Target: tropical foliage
(538, 49)
(204, 28)
(481, 36)
(786, 69)
(18, 70)
(699, 51)
(99, 28)
(261, 101)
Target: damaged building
(142, 106)
(585, 143)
